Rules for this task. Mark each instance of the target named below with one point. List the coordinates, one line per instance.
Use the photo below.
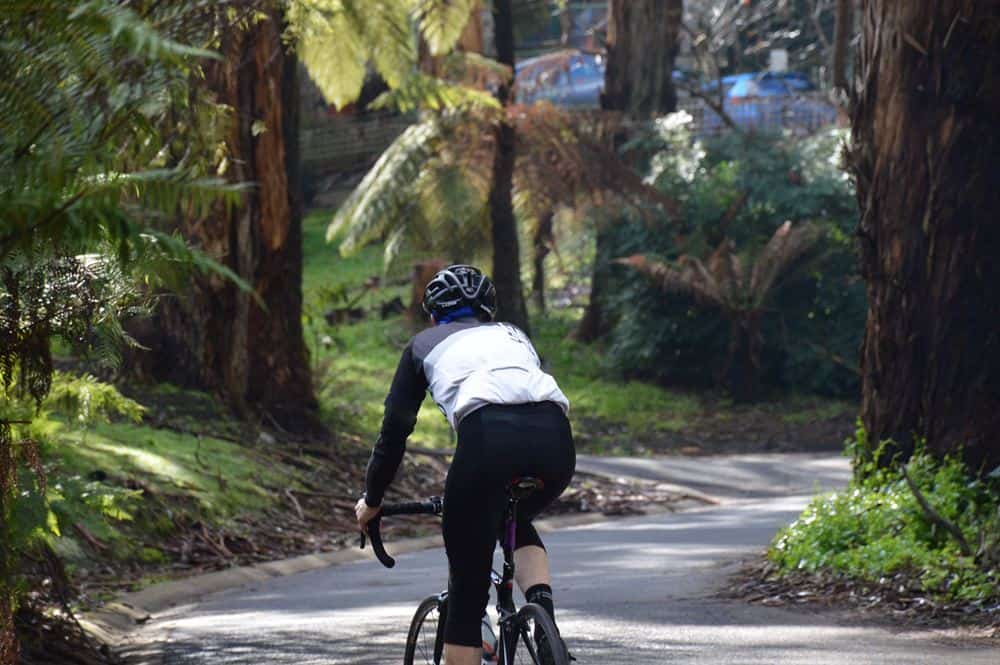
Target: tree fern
(339, 39)
(434, 180)
(742, 292)
(381, 199)
(102, 136)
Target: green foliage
(421, 194)
(339, 39)
(877, 528)
(89, 401)
(45, 506)
(359, 360)
(813, 323)
(102, 137)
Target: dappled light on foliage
(889, 523)
(759, 258)
(430, 188)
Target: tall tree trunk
(638, 81)
(542, 247)
(216, 336)
(642, 45)
(506, 250)
(925, 155)
(841, 41)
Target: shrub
(742, 190)
(877, 528)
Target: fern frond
(687, 276)
(129, 29)
(420, 91)
(785, 249)
(331, 45)
(442, 22)
(376, 202)
(726, 270)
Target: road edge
(120, 622)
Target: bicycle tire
(534, 621)
(422, 638)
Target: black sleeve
(401, 407)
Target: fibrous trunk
(215, 336)
(506, 250)
(542, 247)
(926, 156)
(638, 81)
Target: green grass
(224, 478)
(354, 364)
(357, 361)
(131, 486)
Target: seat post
(510, 537)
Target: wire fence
(347, 143)
(801, 115)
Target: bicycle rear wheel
(538, 641)
(425, 641)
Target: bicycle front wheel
(538, 640)
(425, 641)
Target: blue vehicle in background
(755, 101)
(769, 101)
(565, 78)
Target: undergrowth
(354, 363)
(877, 528)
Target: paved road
(731, 476)
(628, 591)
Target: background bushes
(741, 188)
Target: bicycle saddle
(520, 488)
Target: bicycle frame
(510, 628)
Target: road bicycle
(526, 635)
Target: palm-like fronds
(441, 23)
(339, 39)
(785, 248)
(723, 281)
(382, 199)
(563, 159)
(101, 137)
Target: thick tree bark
(506, 250)
(215, 336)
(841, 40)
(638, 81)
(642, 45)
(925, 155)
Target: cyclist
(510, 418)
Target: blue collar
(460, 313)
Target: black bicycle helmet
(460, 286)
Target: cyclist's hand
(365, 514)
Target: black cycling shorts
(497, 443)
